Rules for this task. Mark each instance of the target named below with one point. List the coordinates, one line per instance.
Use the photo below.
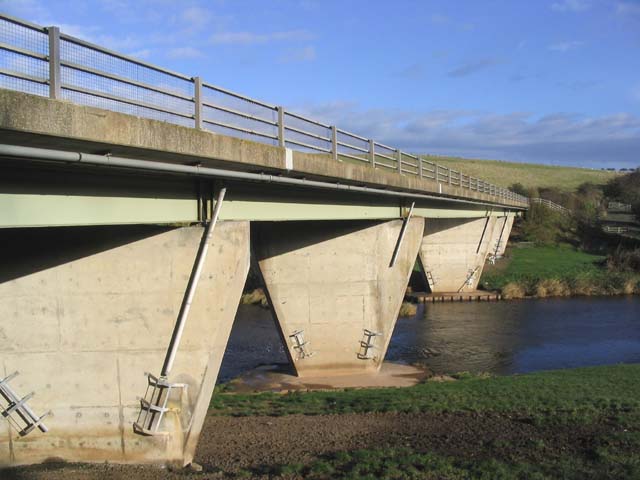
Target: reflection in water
(501, 337)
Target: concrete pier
(453, 252)
(333, 283)
(85, 312)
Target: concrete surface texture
(83, 329)
(33, 120)
(453, 252)
(332, 281)
(505, 235)
(499, 236)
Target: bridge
(132, 196)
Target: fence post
(449, 168)
(54, 62)
(399, 160)
(281, 139)
(372, 153)
(197, 102)
(420, 172)
(334, 143)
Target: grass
(595, 399)
(556, 271)
(541, 262)
(406, 463)
(528, 174)
(583, 390)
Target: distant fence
(551, 205)
(619, 207)
(44, 61)
(618, 230)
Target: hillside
(528, 174)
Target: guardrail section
(43, 61)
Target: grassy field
(528, 174)
(582, 391)
(577, 424)
(538, 262)
(556, 271)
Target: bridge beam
(453, 252)
(85, 312)
(332, 283)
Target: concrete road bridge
(118, 177)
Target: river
(498, 337)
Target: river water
(498, 337)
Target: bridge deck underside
(33, 194)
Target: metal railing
(44, 61)
(619, 207)
(611, 229)
(550, 205)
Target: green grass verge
(528, 174)
(607, 462)
(540, 262)
(582, 392)
(556, 271)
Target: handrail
(116, 87)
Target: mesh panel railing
(45, 62)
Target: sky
(543, 81)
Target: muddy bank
(254, 446)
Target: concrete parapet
(332, 283)
(83, 327)
(453, 252)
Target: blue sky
(545, 81)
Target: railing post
(372, 153)
(54, 62)
(449, 168)
(334, 143)
(420, 172)
(436, 167)
(281, 139)
(197, 102)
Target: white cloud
(141, 54)
(473, 67)
(564, 47)
(184, 53)
(195, 18)
(561, 138)
(628, 8)
(305, 54)
(27, 9)
(571, 6)
(251, 38)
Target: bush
(624, 260)
(513, 290)
(552, 287)
(408, 309)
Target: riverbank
(571, 424)
(556, 271)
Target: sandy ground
(256, 444)
(278, 378)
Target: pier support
(453, 252)
(85, 312)
(505, 235)
(333, 292)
